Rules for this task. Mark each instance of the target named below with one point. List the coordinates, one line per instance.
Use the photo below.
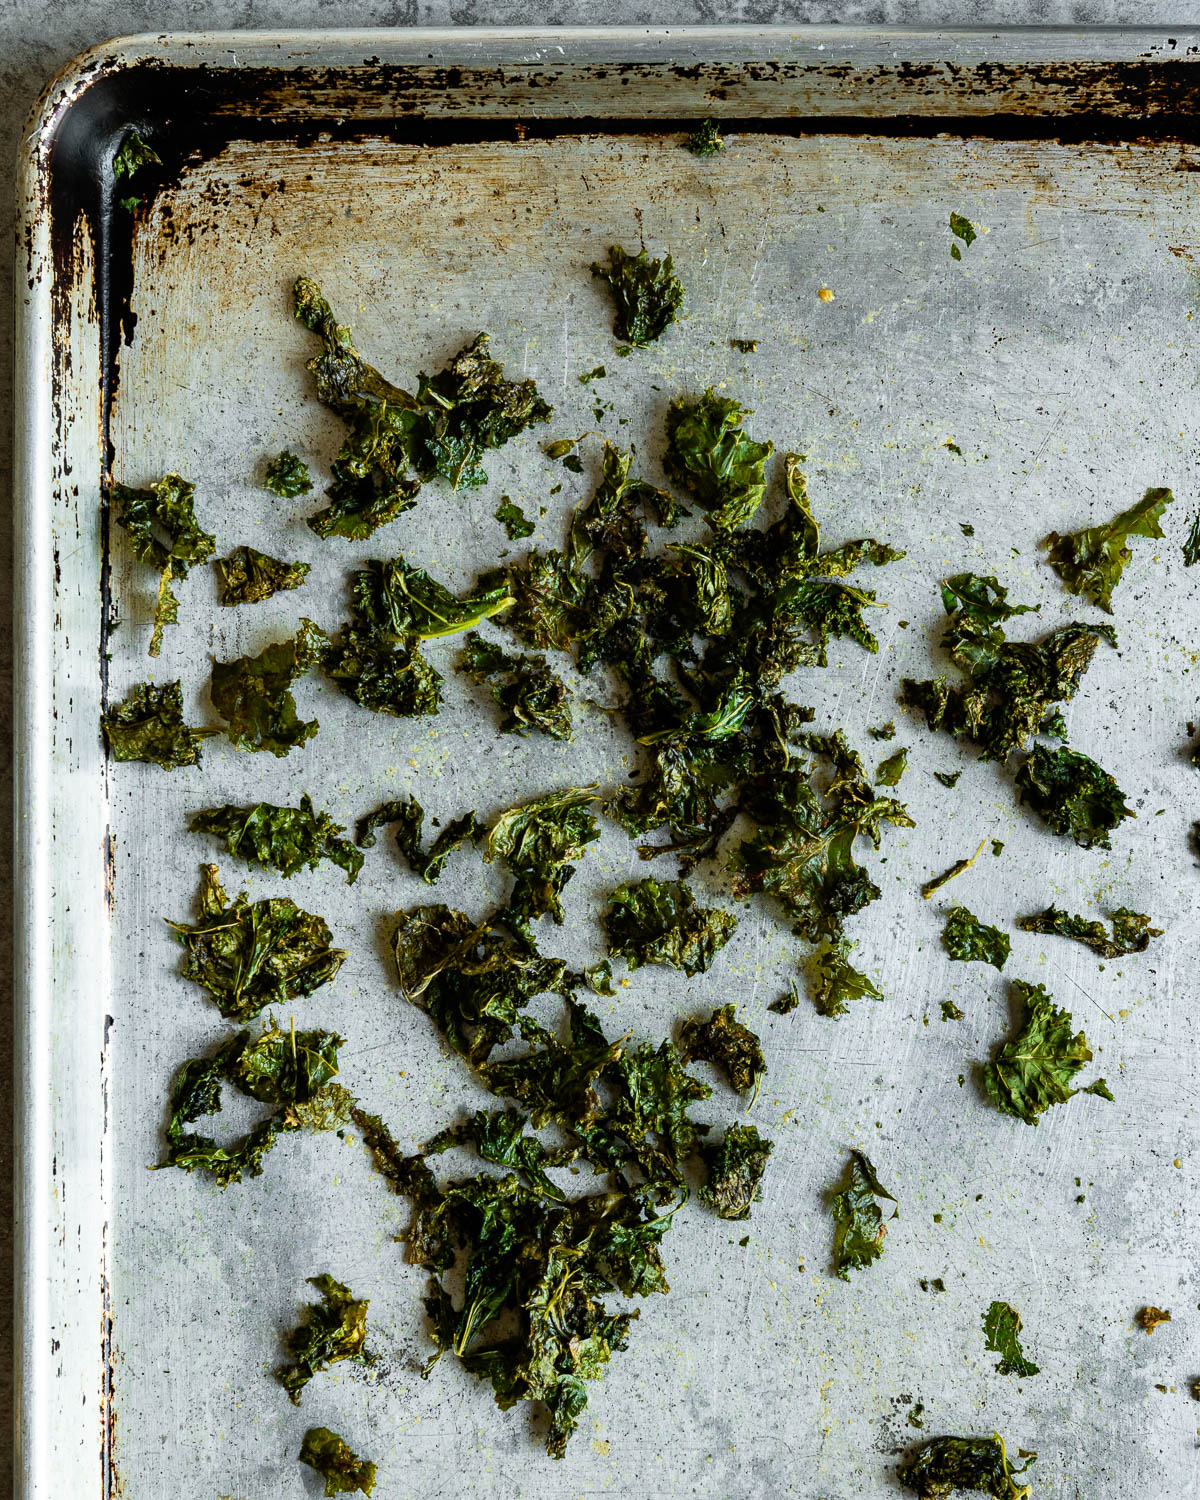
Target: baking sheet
(1058, 356)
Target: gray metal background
(1058, 355)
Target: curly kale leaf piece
(727, 1044)
(287, 476)
(946, 1464)
(343, 1471)
(247, 576)
(286, 839)
(705, 140)
(332, 1330)
(969, 940)
(835, 982)
(647, 293)
(735, 1171)
(536, 842)
(708, 451)
(1073, 795)
(162, 526)
(1036, 1068)
(402, 602)
(250, 956)
(499, 1136)
(859, 1226)
(148, 725)
(253, 693)
(658, 922)
(1191, 547)
(382, 676)
(1131, 931)
(532, 695)
(1091, 562)
(409, 815)
(132, 155)
(1001, 1334)
(514, 520)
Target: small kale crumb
(966, 528)
(786, 1004)
(731, 1047)
(131, 156)
(1191, 547)
(1001, 1334)
(968, 940)
(944, 1464)
(328, 1333)
(884, 732)
(889, 771)
(947, 778)
(952, 446)
(964, 230)
(744, 1241)
(1196, 1390)
(997, 847)
(574, 463)
(744, 346)
(950, 1011)
(931, 887)
(934, 1285)
(597, 374)
(705, 140)
(916, 1416)
(1150, 1317)
(514, 520)
(287, 476)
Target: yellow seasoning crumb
(825, 294)
(1178, 1163)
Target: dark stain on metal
(110, 884)
(110, 1480)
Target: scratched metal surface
(1058, 357)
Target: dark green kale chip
(248, 577)
(658, 922)
(1131, 932)
(286, 839)
(1091, 562)
(514, 520)
(786, 1004)
(735, 1171)
(148, 725)
(1037, 1067)
(1001, 1330)
(950, 1011)
(647, 293)
(409, 815)
(708, 451)
(253, 693)
(382, 676)
(332, 1330)
(250, 956)
(705, 140)
(343, 1471)
(403, 602)
(947, 778)
(132, 155)
(499, 1136)
(728, 1045)
(162, 526)
(1191, 547)
(835, 983)
(889, 771)
(287, 476)
(536, 842)
(859, 1226)
(1073, 795)
(945, 1464)
(532, 695)
(964, 230)
(969, 940)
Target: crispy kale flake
(889, 771)
(286, 839)
(409, 816)
(162, 526)
(705, 140)
(835, 982)
(343, 1471)
(383, 677)
(1037, 1067)
(1001, 1330)
(728, 1045)
(945, 1464)
(1191, 547)
(532, 695)
(536, 842)
(148, 725)
(514, 520)
(287, 476)
(735, 1171)
(859, 1226)
(253, 693)
(332, 1330)
(247, 576)
(1073, 795)
(1091, 562)
(403, 602)
(658, 922)
(969, 940)
(708, 451)
(1131, 932)
(132, 155)
(962, 229)
(647, 293)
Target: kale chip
(1001, 1330)
(132, 155)
(1037, 1067)
(658, 922)
(859, 1226)
(532, 695)
(332, 1330)
(735, 1171)
(148, 725)
(835, 982)
(1073, 795)
(403, 602)
(343, 1471)
(705, 140)
(253, 693)
(514, 520)
(248, 577)
(286, 839)
(1131, 932)
(969, 940)
(728, 1045)
(409, 816)
(1191, 547)
(287, 476)
(647, 293)
(945, 1464)
(250, 956)
(708, 451)
(536, 842)
(1091, 562)
(377, 674)
(889, 771)
(162, 526)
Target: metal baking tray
(436, 184)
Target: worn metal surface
(1058, 356)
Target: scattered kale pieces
(409, 815)
(343, 1471)
(859, 1226)
(148, 725)
(533, 696)
(1037, 1067)
(250, 956)
(658, 922)
(728, 1045)
(884, 732)
(708, 451)
(162, 526)
(514, 520)
(1001, 1329)
(647, 293)
(1149, 1318)
(889, 771)
(931, 887)
(947, 778)
(286, 839)
(247, 576)
(381, 676)
(835, 983)
(1091, 562)
(536, 842)
(969, 940)
(950, 1011)
(332, 1330)
(735, 1171)
(1191, 547)
(1073, 795)
(253, 693)
(1131, 932)
(705, 140)
(287, 476)
(945, 1464)
(964, 230)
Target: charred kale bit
(397, 440)
(532, 697)
(332, 1330)
(343, 1471)
(705, 140)
(536, 842)
(287, 476)
(859, 1226)
(148, 725)
(658, 922)
(286, 839)
(969, 940)
(248, 577)
(250, 956)
(1131, 932)
(945, 1464)
(708, 451)
(1073, 795)
(835, 983)
(728, 1045)
(409, 815)
(1091, 562)
(1001, 1330)
(1037, 1067)
(735, 1171)
(162, 526)
(253, 693)
(647, 293)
